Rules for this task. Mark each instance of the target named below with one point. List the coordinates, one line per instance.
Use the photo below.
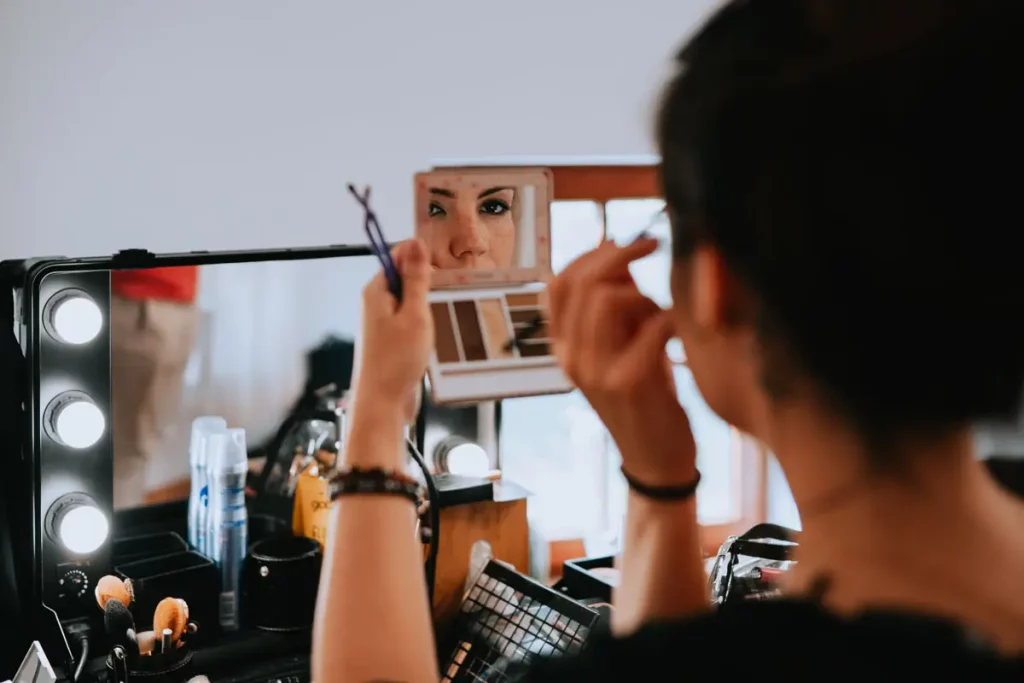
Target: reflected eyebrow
(443, 192)
(493, 190)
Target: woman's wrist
(655, 441)
(375, 404)
(659, 463)
(371, 446)
(376, 436)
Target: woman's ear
(717, 299)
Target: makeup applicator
(171, 614)
(113, 588)
(119, 624)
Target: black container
(265, 527)
(580, 583)
(280, 582)
(186, 575)
(143, 547)
(160, 667)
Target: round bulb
(77, 319)
(79, 423)
(468, 459)
(83, 529)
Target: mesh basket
(507, 618)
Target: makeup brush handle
(525, 333)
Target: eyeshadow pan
(469, 331)
(496, 329)
(533, 349)
(530, 300)
(523, 318)
(444, 335)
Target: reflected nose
(469, 240)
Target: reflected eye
(435, 210)
(494, 207)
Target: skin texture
(467, 227)
(882, 539)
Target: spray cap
(202, 427)
(227, 450)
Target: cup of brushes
(164, 648)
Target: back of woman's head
(854, 162)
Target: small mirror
(485, 226)
(488, 234)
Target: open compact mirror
(488, 235)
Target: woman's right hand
(396, 338)
(610, 340)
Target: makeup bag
(748, 566)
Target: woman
(845, 291)
(469, 229)
(153, 326)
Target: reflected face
(466, 228)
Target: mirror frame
(21, 489)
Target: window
(557, 447)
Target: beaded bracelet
(376, 480)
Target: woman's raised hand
(610, 340)
(396, 338)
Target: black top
(793, 640)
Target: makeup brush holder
(160, 667)
(280, 582)
(266, 527)
(135, 548)
(186, 575)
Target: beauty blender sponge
(171, 613)
(112, 588)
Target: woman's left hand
(610, 340)
(397, 338)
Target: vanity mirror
(257, 343)
(488, 234)
(119, 355)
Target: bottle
(199, 493)
(228, 521)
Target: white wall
(236, 124)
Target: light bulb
(468, 459)
(78, 423)
(83, 529)
(75, 318)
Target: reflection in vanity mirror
(485, 224)
(256, 343)
(247, 341)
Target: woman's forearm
(662, 566)
(373, 621)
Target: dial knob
(73, 585)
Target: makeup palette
(474, 361)
(490, 338)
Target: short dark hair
(857, 165)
